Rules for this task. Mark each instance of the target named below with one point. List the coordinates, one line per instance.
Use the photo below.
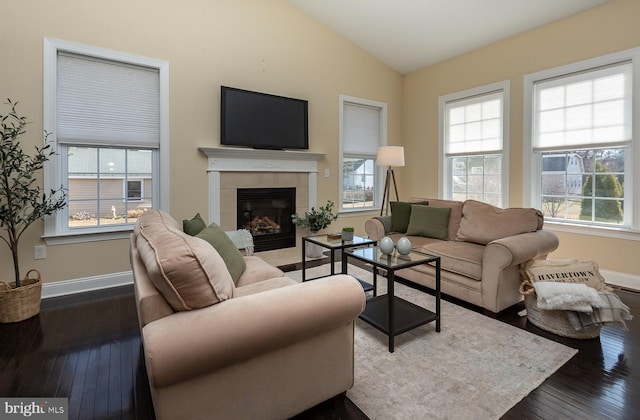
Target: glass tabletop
(327, 242)
(395, 260)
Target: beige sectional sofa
(263, 346)
(481, 246)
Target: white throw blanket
(567, 296)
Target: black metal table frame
(392, 304)
(342, 246)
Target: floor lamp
(389, 156)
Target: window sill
(360, 212)
(83, 237)
(607, 232)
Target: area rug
(476, 367)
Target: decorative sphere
(404, 245)
(386, 245)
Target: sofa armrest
(377, 227)
(500, 266)
(521, 248)
(193, 343)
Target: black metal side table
(388, 313)
(336, 245)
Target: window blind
(361, 129)
(103, 102)
(591, 108)
(474, 125)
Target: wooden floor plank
(88, 348)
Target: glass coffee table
(388, 313)
(336, 245)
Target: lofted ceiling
(408, 35)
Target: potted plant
(315, 220)
(21, 204)
(347, 233)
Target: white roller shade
(474, 125)
(102, 102)
(361, 129)
(587, 109)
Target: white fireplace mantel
(232, 159)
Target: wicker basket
(552, 321)
(18, 304)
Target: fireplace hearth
(266, 213)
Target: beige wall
(253, 44)
(269, 46)
(606, 29)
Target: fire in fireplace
(266, 213)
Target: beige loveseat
(481, 246)
(263, 347)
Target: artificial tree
(21, 200)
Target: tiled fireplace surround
(231, 168)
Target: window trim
(444, 175)
(530, 160)
(53, 169)
(379, 175)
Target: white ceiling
(409, 35)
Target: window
(106, 112)
(134, 190)
(363, 128)
(580, 146)
(473, 131)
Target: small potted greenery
(21, 203)
(315, 220)
(347, 233)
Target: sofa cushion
(186, 270)
(194, 225)
(400, 215)
(428, 221)
(257, 270)
(454, 217)
(155, 217)
(482, 223)
(229, 252)
(463, 258)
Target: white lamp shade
(390, 156)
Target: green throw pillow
(432, 222)
(400, 214)
(193, 226)
(226, 248)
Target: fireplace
(266, 213)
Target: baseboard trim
(87, 284)
(106, 281)
(628, 281)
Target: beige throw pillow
(564, 271)
(482, 223)
(186, 270)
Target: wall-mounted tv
(262, 121)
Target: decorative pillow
(194, 225)
(564, 271)
(482, 223)
(229, 252)
(184, 269)
(400, 214)
(429, 221)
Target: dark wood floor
(87, 348)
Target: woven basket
(553, 321)
(18, 304)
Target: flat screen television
(262, 121)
